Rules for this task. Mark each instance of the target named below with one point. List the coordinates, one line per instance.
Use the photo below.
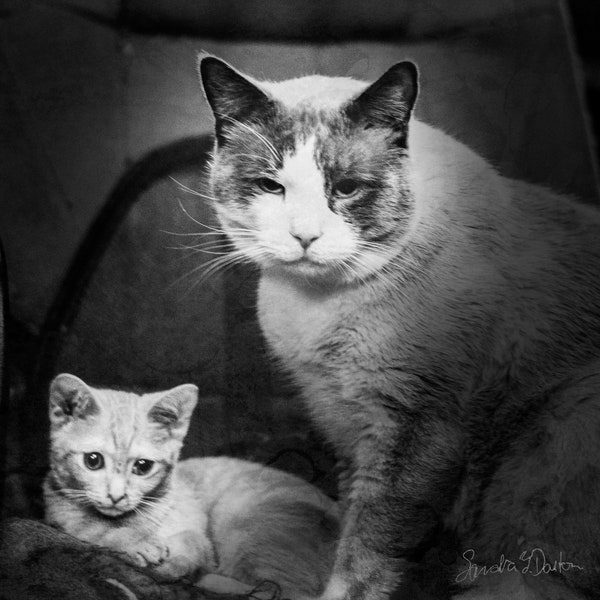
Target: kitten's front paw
(175, 567)
(140, 550)
(149, 552)
(189, 552)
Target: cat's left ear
(174, 409)
(232, 97)
(389, 101)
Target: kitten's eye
(93, 460)
(142, 466)
(270, 186)
(346, 187)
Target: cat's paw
(138, 549)
(149, 552)
(189, 552)
(176, 567)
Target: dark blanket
(39, 562)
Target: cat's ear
(70, 398)
(389, 101)
(231, 96)
(174, 409)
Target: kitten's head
(310, 175)
(114, 451)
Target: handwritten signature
(532, 563)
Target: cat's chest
(296, 322)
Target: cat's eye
(346, 187)
(142, 466)
(93, 460)
(270, 185)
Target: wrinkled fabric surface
(40, 562)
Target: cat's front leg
(188, 552)
(138, 548)
(404, 481)
(344, 482)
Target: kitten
(433, 313)
(115, 481)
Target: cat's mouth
(113, 511)
(307, 264)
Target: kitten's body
(198, 517)
(430, 313)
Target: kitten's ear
(70, 398)
(174, 409)
(388, 102)
(230, 95)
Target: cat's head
(309, 175)
(115, 451)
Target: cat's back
(265, 524)
(237, 484)
(561, 220)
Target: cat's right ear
(174, 409)
(232, 97)
(389, 101)
(70, 398)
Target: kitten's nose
(116, 499)
(305, 239)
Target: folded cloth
(38, 562)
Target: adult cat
(115, 481)
(441, 321)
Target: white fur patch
(320, 92)
(336, 589)
(301, 215)
(306, 205)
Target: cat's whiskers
(257, 156)
(239, 232)
(343, 268)
(80, 496)
(193, 219)
(214, 245)
(212, 251)
(355, 274)
(189, 190)
(214, 232)
(149, 497)
(221, 264)
(359, 259)
(217, 244)
(153, 519)
(369, 249)
(153, 508)
(208, 248)
(276, 155)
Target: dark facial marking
(388, 102)
(364, 144)
(232, 97)
(371, 158)
(249, 158)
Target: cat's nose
(116, 499)
(305, 239)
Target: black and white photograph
(300, 300)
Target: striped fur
(225, 522)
